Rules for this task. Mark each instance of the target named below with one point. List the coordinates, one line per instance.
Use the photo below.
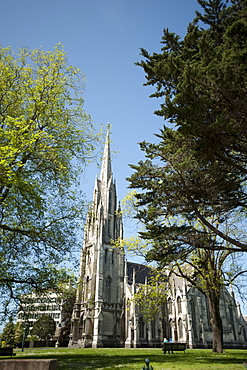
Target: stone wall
(13, 364)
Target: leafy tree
(44, 327)
(19, 332)
(64, 334)
(68, 301)
(152, 296)
(8, 335)
(13, 334)
(202, 80)
(46, 139)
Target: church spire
(106, 170)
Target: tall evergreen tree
(202, 79)
(180, 242)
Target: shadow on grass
(121, 358)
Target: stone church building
(105, 314)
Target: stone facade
(188, 318)
(105, 314)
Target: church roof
(141, 272)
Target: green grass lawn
(121, 358)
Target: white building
(33, 306)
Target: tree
(13, 334)
(68, 301)
(8, 336)
(202, 80)
(46, 139)
(152, 296)
(19, 333)
(44, 327)
(173, 180)
(196, 174)
(204, 267)
(182, 246)
(167, 208)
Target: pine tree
(202, 80)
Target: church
(105, 314)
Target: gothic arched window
(169, 306)
(106, 255)
(108, 288)
(141, 327)
(88, 257)
(170, 327)
(86, 290)
(194, 319)
(153, 328)
(180, 328)
(179, 304)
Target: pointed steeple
(102, 266)
(106, 170)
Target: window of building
(106, 255)
(141, 327)
(169, 306)
(108, 288)
(153, 329)
(179, 304)
(194, 319)
(180, 328)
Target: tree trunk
(216, 322)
